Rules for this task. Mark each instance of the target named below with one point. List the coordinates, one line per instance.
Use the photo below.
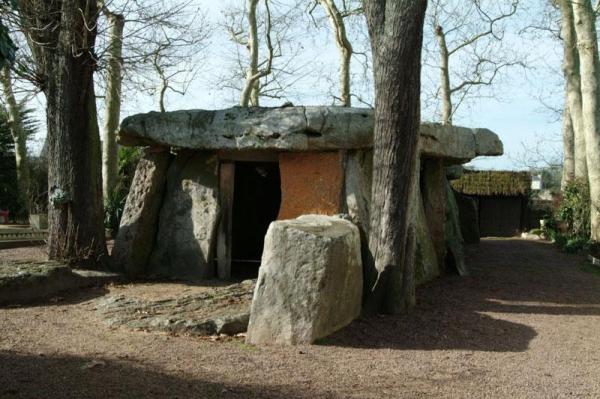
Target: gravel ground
(525, 325)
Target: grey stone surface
(290, 128)
(218, 310)
(458, 144)
(24, 282)
(309, 283)
(358, 176)
(137, 232)
(188, 220)
(294, 129)
(427, 266)
(468, 217)
(454, 239)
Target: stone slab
(294, 129)
(187, 226)
(310, 281)
(311, 183)
(139, 224)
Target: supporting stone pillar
(137, 233)
(433, 190)
(187, 228)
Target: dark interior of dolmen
(256, 201)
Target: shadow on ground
(33, 376)
(509, 276)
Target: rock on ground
(309, 283)
(27, 281)
(213, 310)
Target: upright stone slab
(309, 283)
(427, 266)
(188, 220)
(135, 240)
(468, 217)
(311, 183)
(454, 240)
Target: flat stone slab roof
(300, 128)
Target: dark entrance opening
(256, 201)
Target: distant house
(502, 200)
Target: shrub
(574, 209)
(115, 201)
(569, 226)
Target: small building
(211, 182)
(501, 199)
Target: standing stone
(433, 190)
(309, 283)
(468, 217)
(188, 220)
(139, 223)
(454, 239)
(427, 266)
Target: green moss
(589, 268)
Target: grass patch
(246, 347)
(589, 268)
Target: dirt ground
(525, 325)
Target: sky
(513, 109)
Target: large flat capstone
(309, 283)
(293, 129)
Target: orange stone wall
(311, 183)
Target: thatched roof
(505, 183)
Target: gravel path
(525, 325)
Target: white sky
(516, 115)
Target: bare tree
(112, 100)
(150, 48)
(396, 31)
(263, 64)
(255, 70)
(471, 31)
(573, 95)
(18, 132)
(338, 25)
(62, 37)
(162, 46)
(587, 45)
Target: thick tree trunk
(396, 31)
(250, 90)
(568, 174)
(445, 90)
(18, 136)
(587, 44)
(112, 113)
(573, 86)
(68, 34)
(344, 47)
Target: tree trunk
(18, 135)
(68, 34)
(587, 44)
(112, 113)
(396, 32)
(573, 86)
(568, 174)
(344, 47)
(250, 90)
(445, 90)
